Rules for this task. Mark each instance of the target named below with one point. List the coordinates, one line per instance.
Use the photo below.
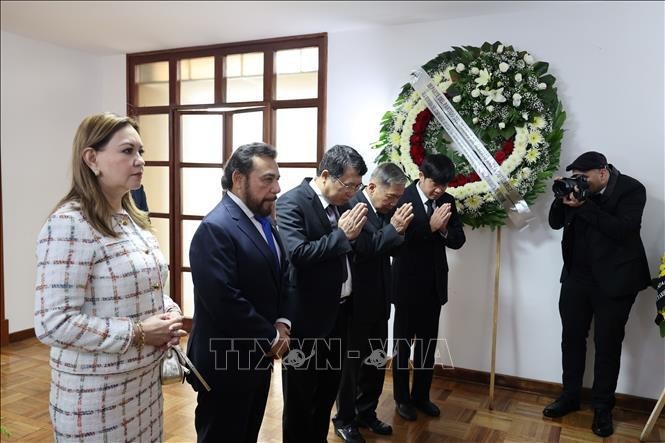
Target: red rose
(507, 147)
(499, 156)
(474, 177)
(417, 154)
(416, 139)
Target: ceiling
(119, 27)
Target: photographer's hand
(571, 201)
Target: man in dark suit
(604, 267)
(364, 365)
(420, 282)
(140, 199)
(239, 274)
(318, 226)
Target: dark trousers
(422, 322)
(232, 416)
(310, 385)
(581, 300)
(362, 381)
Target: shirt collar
(369, 200)
(324, 202)
(240, 204)
(423, 197)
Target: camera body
(577, 185)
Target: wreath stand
(648, 427)
(495, 314)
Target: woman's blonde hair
(95, 132)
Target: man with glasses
(365, 363)
(318, 226)
(420, 283)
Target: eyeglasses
(349, 187)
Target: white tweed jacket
(91, 288)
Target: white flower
(539, 122)
(475, 93)
(503, 67)
(525, 116)
(499, 49)
(528, 59)
(475, 120)
(517, 100)
(474, 71)
(446, 73)
(535, 138)
(473, 203)
(490, 108)
(394, 156)
(457, 98)
(483, 77)
(460, 67)
(394, 139)
(532, 155)
(502, 125)
(495, 95)
(499, 84)
(438, 78)
(542, 86)
(518, 77)
(526, 172)
(399, 120)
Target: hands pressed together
(281, 346)
(351, 222)
(440, 218)
(402, 217)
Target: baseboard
(21, 335)
(624, 401)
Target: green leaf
(540, 67)
(548, 79)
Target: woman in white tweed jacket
(99, 297)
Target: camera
(565, 186)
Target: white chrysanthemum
(532, 155)
(438, 77)
(538, 122)
(503, 67)
(446, 73)
(473, 202)
(394, 156)
(535, 138)
(525, 172)
(395, 138)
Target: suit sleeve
(369, 245)
(455, 238)
(627, 219)
(301, 250)
(557, 214)
(212, 256)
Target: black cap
(588, 161)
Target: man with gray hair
(364, 366)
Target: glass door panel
(247, 128)
(156, 186)
(154, 130)
(295, 134)
(201, 190)
(202, 138)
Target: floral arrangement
(658, 284)
(509, 101)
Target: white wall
(608, 60)
(46, 92)
(607, 57)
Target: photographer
(604, 267)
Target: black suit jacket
(238, 296)
(421, 266)
(612, 235)
(371, 277)
(317, 265)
